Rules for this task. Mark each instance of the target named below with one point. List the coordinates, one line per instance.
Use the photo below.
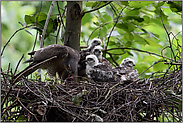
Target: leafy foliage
(147, 31)
(120, 24)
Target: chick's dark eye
(96, 50)
(89, 59)
(130, 62)
(95, 41)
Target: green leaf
(78, 98)
(92, 4)
(139, 4)
(146, 19)
(133, 12)
(175, 6)
(137, 18)
(149, 59)
(40, 17)
(153, 43)
(107, 18)
(128, 36)
(109, 11)
(4, 27)
(89, 4)
(86, 18)
(160, 66)
(103, 31)
(140, 40)
(124, 3)
(122, 26)
(126, 26)
(29, 19)
(96, 23)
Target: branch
(167, 33)
(27, 109)
(96, 29)
(12, 37)
(17, 78)
(140, 51)
(46, 24)
(97, 8)
(44, 30)
(36, 29)
(151, 66)
(114, 27)
(18, 64)
(33, 68)
(61, 20)
(112, 58)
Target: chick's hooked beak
(98, 42)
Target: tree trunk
(73, 24)
(73, 27)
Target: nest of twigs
(158, 98)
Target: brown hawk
(63, 58)
(84, 53)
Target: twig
(112, 88)
(16, 79)
(44, 31)
(140, 51)
(173, 63)
(61, 21)
(151, 66)
(112, 59)
(18, 64)
(167, 33)
(63, 90)
(36, 30)
(119, 91)
(96, 29)
(12, 37)
(114, 27)
(60, 14)
(33, 67)
(9, 107)
(27, 109)
(97, 8)
(46, 24)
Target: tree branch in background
(46, 24)
(139, 51)
(44, 31)
(114, 27)
(169, 40)
(95, 30)
(61, 16)
(12, 37)
(151, 66)
(37, 26)
(97, 8)
(18, 64)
